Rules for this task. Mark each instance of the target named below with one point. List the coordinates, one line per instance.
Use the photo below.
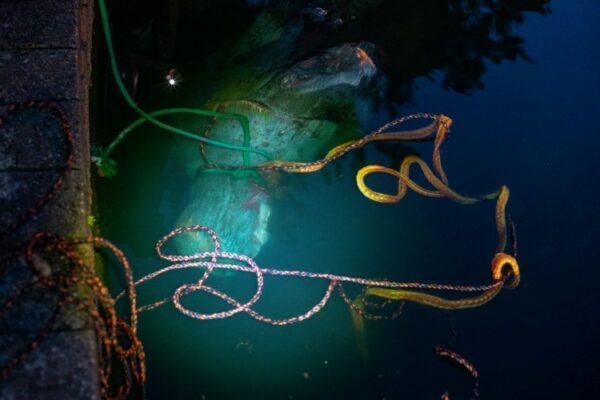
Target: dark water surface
(531, 125)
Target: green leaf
(91, 220)
(107, 168)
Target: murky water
(531, 125)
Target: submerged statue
(287, 113)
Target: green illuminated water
(319, 223)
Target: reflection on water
(450, 40)
(245, 62)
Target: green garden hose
(102, 157)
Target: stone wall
(45, 50)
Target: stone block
(38, 24)
(39, 74)
(64, 366)
(32, 139)
(34, 307)
(65, 214)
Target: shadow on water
(233, 52)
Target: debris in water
(244, 345)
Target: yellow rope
(434, 301)
(502, 276)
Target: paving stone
(33, 139)
(39, 74)
(63, 367)
(32, 306)
(54, 24)
(65, 214)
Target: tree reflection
(446, 40)
(420, 38)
